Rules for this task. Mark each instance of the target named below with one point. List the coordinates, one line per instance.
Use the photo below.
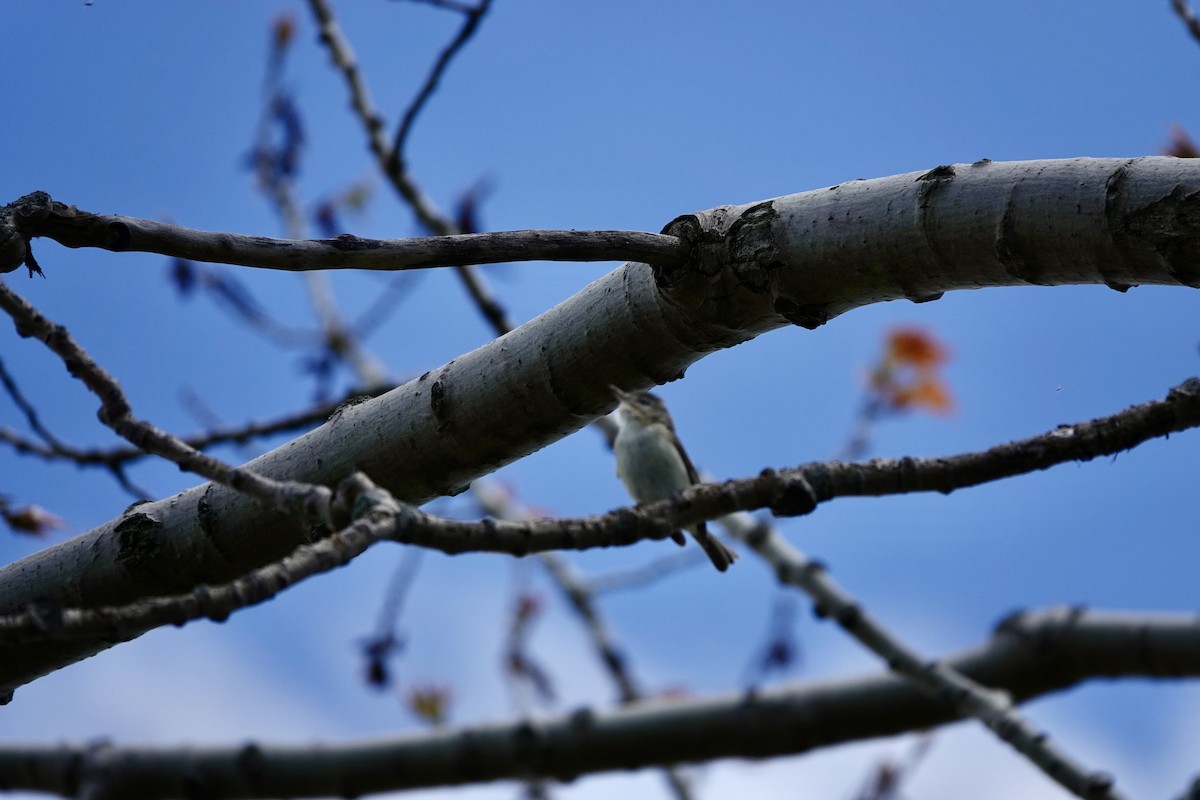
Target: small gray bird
(653, 465)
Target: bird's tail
(720, 555)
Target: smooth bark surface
(801, 259)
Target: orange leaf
(915, 347)
(928, 393)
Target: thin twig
(655, 570)
(233, 296)
(385, 302)
(344, 59)
(473, 16)
(791, 492)
(941, 681)
(279, 186)
(433, 220)
(798, 491)
(74, 228)
(576, 592)
(579, 594)
(1188, 16)
(31, 415)
(116, 413)
(109, 457)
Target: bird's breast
(648, 463)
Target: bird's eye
(644, 401)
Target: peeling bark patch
(209, 522)
(119, 237)
(808, 316)
(931, 181)
(139, 545)
(706, 250)
(1113, 189)
(1114, 193)
(941, 173)
(438, 403)
(349, 243)
(1171, 227)
(1006, 245)
(929, 184)
(206, 515)
(752, 250)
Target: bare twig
(387, 642)
(384, 303)
(26, 408)
(1188, 16)
(344, 59)
(65, 452)
(394, 168)
(117, 456)
(781, 649)
(74, 228)
(279, 186)
(941, 681)
(791, 492)
(611, 656)
(798, 491)
(887, 778)
(655, 570)
(341, 342)
(115, 412)
(472, 17)
(238, 301)
(576, 593)
(579, 594)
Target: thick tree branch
(802, 258)
(1030, 654)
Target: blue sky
(622, 115)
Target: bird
(653, 465)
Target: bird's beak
(623, 397)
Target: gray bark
(801, 259)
